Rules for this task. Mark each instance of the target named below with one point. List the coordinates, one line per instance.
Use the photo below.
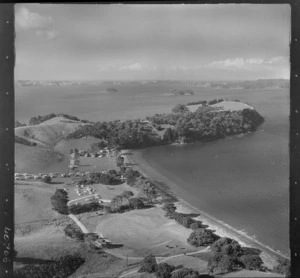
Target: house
(104, 201)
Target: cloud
(248, 64)
(135, 66)
(48, 34)
(279, 60)
(179, 68)
(29, 20)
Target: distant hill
(255, 84)
(187, 92)
(111, 90)
(49, 83)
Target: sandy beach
(134, 157)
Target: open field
(231, 106)
(146, 229)
(33, 208)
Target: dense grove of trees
(46, 179)
(181, 218)
(125, 201)
(227, 255)
(283, 267)
(18, 124)
(149, 264)
(39, 119)
(82, 208)
(135, 179)
(202, 237)
(73, 232)
(59, 201)
(206, 123)
(185, 273)
(165, 270)
(61, 267)
(110, 177)
(95, 147)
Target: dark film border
(7, 61)
(7, 114)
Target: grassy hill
(44, 157)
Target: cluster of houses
(26, 176)
(106, 152)
(81, 189)
(92, 195)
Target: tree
(127, 194)
(252, 262)
(169, 208)
(202, 237)
(186, 221)
(149, 191)
(120, 160)
(59, 201)
(18, 124)
(226, 264)
(118, 203)
(179, 108)
(136, 203)
(95, 147)
(196, 225)
(60, 267)
(164, 270)
(46, 179)
(227, 246)
(185, 273)
(131, 176)
(283, 267)
(149, 264)
(213, 261)
(73, 232)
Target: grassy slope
(44, 157)
(32, 202)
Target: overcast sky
(131, 42)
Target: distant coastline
(135, 158)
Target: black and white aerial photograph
(152, 140)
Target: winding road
(84, 197)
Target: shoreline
(222, 229)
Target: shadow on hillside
(114, 245)
(57, 182)
(192, 215)
(132, 164)
(26, 260)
